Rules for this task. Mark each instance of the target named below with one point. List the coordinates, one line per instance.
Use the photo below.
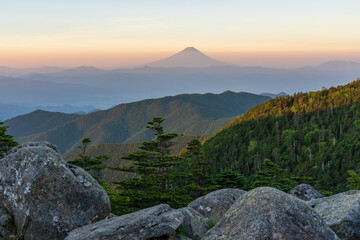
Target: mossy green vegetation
(211, 223)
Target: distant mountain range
(187, 71)
(37, 122)
(16, 72)
(190, 114)
(8, 111)
(272, 95)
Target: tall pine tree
(88, 163)
(155, 158)
(154, 169)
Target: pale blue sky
(37, 29)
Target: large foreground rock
(215, 204)
(150, 223)
(267, 213)
(305, 192)
(46, 196)
(341, 212)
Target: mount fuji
(190, 57)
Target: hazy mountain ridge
(105, 88)
(37, 122)
(195, 114)
(17, 72)
(8, 111)
(272, 95)
(38, 92)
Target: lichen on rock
(46, 196)
(215, 204)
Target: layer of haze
(113, 33)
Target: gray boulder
(305, 192)
(194, 224)
(341, 212)
(151, 223)
(46, 196)
(267, 213)
(215, 204)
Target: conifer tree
(353, 180)
(230, 179)
(193, 177)
(155, 158)
(155, 180)
(87, 162)
(198, 164)
(6, 141)
(273, 176)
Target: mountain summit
(190, 57)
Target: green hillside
(314, 134)
(37, 122)
(189, 114)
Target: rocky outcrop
(215, 204)
(305, 192)
(267, 213)
(46, 196)
(43, 197)
(150, 223)
(341, 212)
(194, 224)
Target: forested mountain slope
(314, 134)
(191, 114)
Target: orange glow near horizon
(125, 33)
(285, 59)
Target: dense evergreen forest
(315, 134)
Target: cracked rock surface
(46, 196)
(159, 221)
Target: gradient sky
(110, 33)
